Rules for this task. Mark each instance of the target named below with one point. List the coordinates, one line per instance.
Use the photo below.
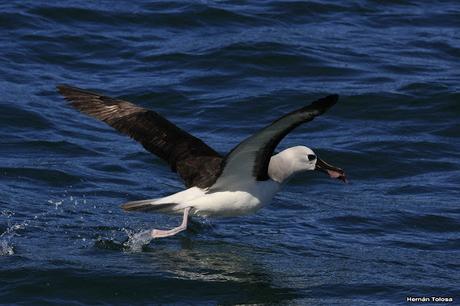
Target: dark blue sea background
(221, 70)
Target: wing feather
(195, 162)
(249, 160)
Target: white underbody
(237, 192)
(223, 203)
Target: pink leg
(162, 233)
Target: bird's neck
(281, 168)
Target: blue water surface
(222, 70)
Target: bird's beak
(333, 172)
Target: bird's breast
(235, 202)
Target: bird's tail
(150, 205)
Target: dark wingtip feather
(334, 97)
(63, 88)
(60, 87)
(67, 90)
(326, 102)
(323, 104)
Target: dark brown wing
(195, 162)
(249, 160)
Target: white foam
(136, 241)
(5, 248)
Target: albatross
(236, 184)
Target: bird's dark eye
(311, 157)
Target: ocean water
(222, 70)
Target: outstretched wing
(195, 162)
(249, 160)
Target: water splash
(56, 203)
(6, 247)
(137, 240)
(12, 228)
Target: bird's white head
(299, 159)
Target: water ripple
(222, 70)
